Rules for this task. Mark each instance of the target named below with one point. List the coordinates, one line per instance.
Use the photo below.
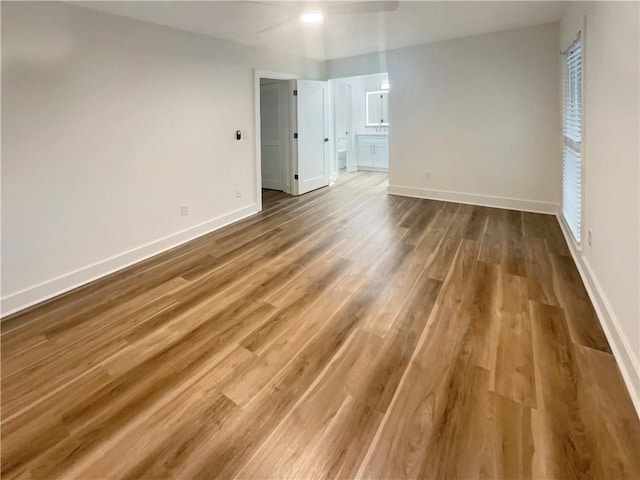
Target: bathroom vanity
(373, 151)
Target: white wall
(480, 113)
(611, 183)
(108, 126)
(369, 64)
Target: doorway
(278, 172)
(343, 130)
(275, 128)
(361, 123)
(292, 134)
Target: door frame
(283, 114)
(258, 74)
(334, 87)
(356, 128)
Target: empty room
(335, 239)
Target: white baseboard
(475, 199)
(622, 351)
(364, 168)
(56, 286)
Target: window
(572, 132)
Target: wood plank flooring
(345, 333)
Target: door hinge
(295, 176)
(295, 135)
(295, 93)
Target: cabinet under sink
(373, 152)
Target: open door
(312, 129)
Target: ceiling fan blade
(355, 8)
(276, 26)
(284, 5)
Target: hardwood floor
(346, 333)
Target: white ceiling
(413, 23)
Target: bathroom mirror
(377, 108)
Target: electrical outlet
(184, 210)
(427, 175)
(238, 192)
(589, 237)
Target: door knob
(326, 139)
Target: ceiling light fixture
(311, 17)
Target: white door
(273, 131)
(313, 140)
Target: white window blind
(572, 131)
